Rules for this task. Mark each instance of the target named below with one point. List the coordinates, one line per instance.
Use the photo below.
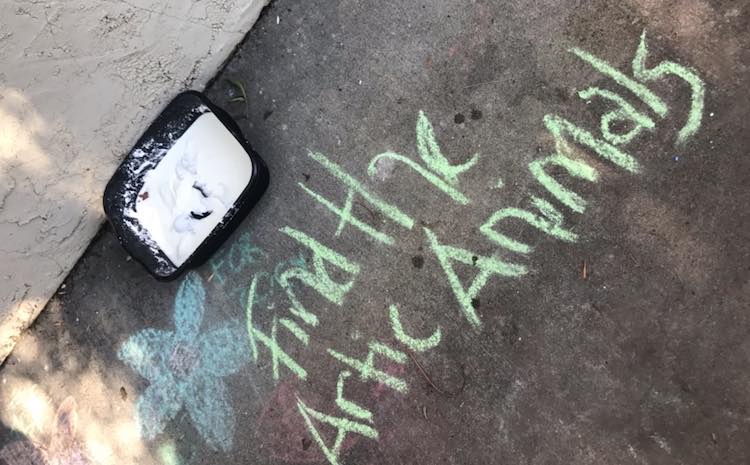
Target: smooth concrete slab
(615, 330)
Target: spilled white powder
(191, 189)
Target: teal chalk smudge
(185, 369)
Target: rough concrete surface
(625, 342)
(79, 79)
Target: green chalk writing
(559, 126)
(453, 193)
(625, 112)
(643, 92)
(390, 211)
(415, 344)
(257, 336)
(342, 425)
(576, 168)
(277, 353)
(295, 329)
(347, 217)
(550, 223)
(268, 287)
(367, 370)
(204, 359)
(687, 74)
(439, 172)
(429, 151)
(318, 279)
(642, 73)
(249, 316)
(487, 266)
(351, 408)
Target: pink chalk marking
(379, 389)
(282, 430)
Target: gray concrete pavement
(596, 314)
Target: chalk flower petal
(185, 369)
(188, 307)
(207, 403)
(224, 350)
(158, 405)
(143, 352)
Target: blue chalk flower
(185, 369)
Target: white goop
(191, 189)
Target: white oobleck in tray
(191, 189)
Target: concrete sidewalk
(420, 302)
(79, 81)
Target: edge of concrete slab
(71, 113)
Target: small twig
(425, 375)
(480, 84)
(463, 382)
(237, 84)
(241, 88)
(372, 214)
(584, 271)
(595, 307)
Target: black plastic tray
(122, 190)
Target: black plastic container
(122, 190)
